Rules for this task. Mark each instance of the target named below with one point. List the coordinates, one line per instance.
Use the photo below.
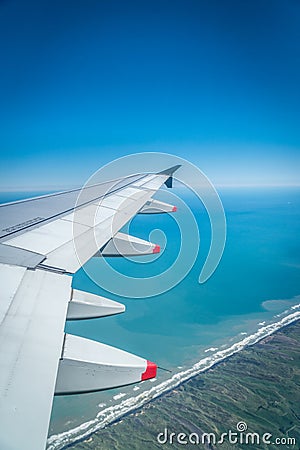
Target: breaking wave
(112, 413)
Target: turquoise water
(255, 284)
(175, 329)
(259, 263)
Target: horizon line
(51, 188)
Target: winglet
(170, 171)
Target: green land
(259, 386)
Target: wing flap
(19, 257)
(31, 336)
(10, 279)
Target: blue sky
(216, 82)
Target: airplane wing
(43, 241)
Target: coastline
(132, 428)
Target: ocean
(254, 291)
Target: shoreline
(83, 442)
(216, 364)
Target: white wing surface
(43, 241)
